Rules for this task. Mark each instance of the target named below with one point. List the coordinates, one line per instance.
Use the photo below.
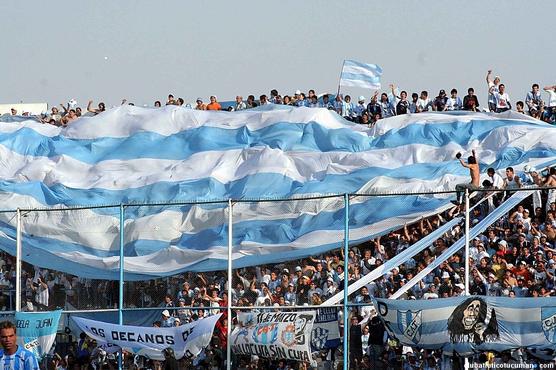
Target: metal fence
(345, 221)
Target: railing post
(346, 281)
(467, 267)
(466, 256)
(229, 304)
(18, 262)
(121, 281)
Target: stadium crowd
(380, 105)
(514, 257)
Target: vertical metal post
(346, 280)
(467, 267)
(18, 262)
(466, 256)
(121, 281)
(229, 304)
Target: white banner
(186, 340)
(277, 335)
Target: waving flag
(137, 155)
(360, 75)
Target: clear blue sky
(55, 50)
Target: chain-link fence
(286, 255)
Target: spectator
(501, 98)
(534, 101)
(213, 105)
(493, 87)
(454, 102)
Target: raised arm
(89, 107)
(488, 79)
(549, 88)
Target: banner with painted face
(36, 331)
(276, 335)
(186, 340)
(473, 323)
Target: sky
(142, 50)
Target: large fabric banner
(325, 333)
(186, 340)
(36, 331)
(277, 335)
(131, 154)
(472, 324)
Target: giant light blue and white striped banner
(360, 75)
(473, 323)
(137, 155)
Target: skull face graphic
(471, 314)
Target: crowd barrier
(308, 228)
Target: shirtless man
(474, 172)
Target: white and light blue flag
(472, 324)
(360, 75)
(36, 331)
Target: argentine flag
(360, 75)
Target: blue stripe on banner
(373, 67)
(286, 136)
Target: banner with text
(36, 331)
(276, 335)
(186, 340)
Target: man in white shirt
(240, 104)
(492, 88)
(496, 180)
(424, 103)
(502, 98)
(551, 90)
(454, 101)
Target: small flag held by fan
(360, 75)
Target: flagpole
(340, 79)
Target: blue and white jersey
(20, 360)
(455, 103)
(533, 100)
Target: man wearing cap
(200, 105)
(493, 287)
(521, 289)
(521, 271)
(360, 107)
(440, 103)
(303, 290)
(167, 320)
(290, 295)
(492, 88)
